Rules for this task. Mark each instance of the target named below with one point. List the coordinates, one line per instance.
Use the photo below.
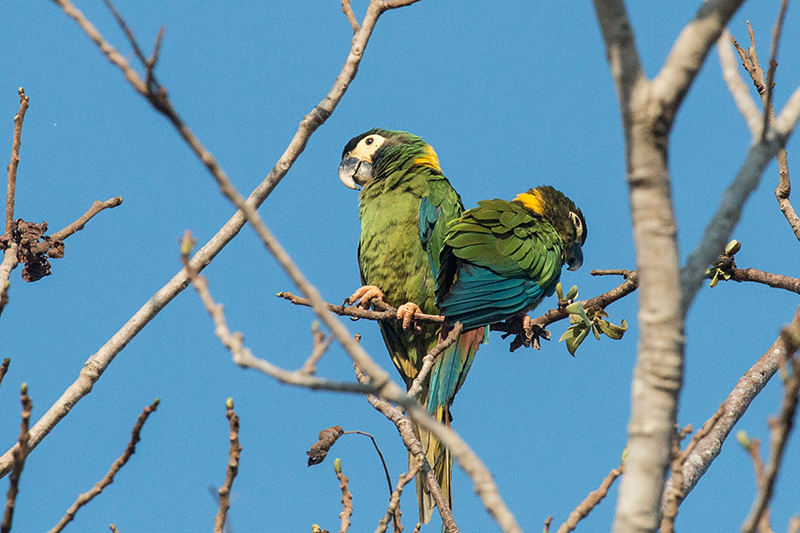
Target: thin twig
(777, 281)
(393, 511)
(20, 453)
(321, 345)
(406, 430)
(591, 501)
(750, 63)
(780, 429)
(351, 17)
(674, 496)
(10, 259)
(347, 498)
(86, 217)
(243, 357)
(108, 479)
(14, 164)
(234, 453)
(430, 357)
(773, 65)
(735, 405)
(4, 368)
(386, 313)
(377, 449)
(736, 85)
(753, 448)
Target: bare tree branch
(753, 448)
(10, 262)
(406, 431)
(10, 259)
(97, 363)
(747, 388)
(591, 501)
(430, 357)
(14, 164)
(773, 65)
(750, 63)
(779, 430)
(777, 281)
(351, 17)
(394, 501)
(4, 368)
(234, 453)
(674, 497)
(20, 454)
(719, 229)
(108, 479)
(648, 111)
(86, 217)
(347, 498)
(243, 357)
(736, 85)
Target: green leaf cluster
(585, 320)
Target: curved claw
(364, 296)
(406, 313)
(533, 332)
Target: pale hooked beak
(354, 172)
(574, 255)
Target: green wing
(499, 260)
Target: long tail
(449, 373)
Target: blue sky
(511, 95)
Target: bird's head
(563, 215)
(376, 153)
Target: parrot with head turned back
(405, 206)
(500, 259)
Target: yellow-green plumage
(501, 258)
(405, 206)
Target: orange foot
(406, 313)
(364, 296)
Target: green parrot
(405, 206)
(502, 258)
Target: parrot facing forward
(502, 258)
(405, 207)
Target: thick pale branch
(623, 58)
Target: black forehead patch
(352, 143)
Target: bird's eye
(369, 140)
